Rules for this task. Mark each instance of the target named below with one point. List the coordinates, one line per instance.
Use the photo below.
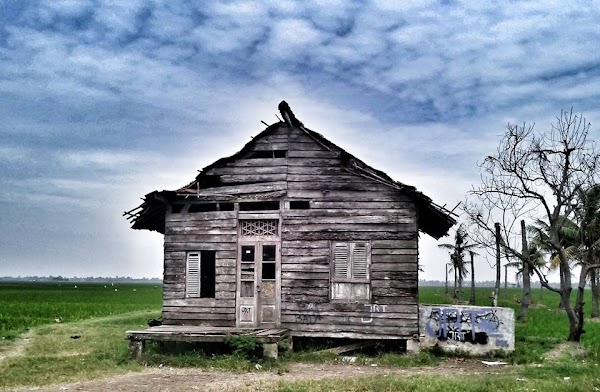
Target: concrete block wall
(473, 329)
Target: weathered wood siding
(242, 179)
(188, 232)
(345, 206)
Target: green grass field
(26, 305)
(100, 316)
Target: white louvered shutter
(359, 261)
(340, 260)
(192, 279)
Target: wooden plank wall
(345, 207)
(245, 179)
(185, 232)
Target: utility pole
(505, 276)
(447, 278)
(472, 299)
(498, 272)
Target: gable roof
(432, 218)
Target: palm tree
(580, 238)
(536, 258)
(588, 218)
(569, 239)
(457, 258)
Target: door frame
(255, 301)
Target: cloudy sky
(104, 101)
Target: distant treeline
(99, 279)
(487, 283)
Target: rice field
(56, 311)
(24, 305)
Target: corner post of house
(136, 347)
(413, 345)
(270, 350)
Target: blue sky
(102, 102)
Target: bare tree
(538, 174)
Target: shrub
(243, 345)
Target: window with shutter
(340, 260)
(192, 277)
(200, 274)
(350, 271)
(359, 261)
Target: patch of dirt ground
(178, 379)
(576, 350)
(18, 348)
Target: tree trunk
(595, 293)
(472, 299)
(497, 287)
(446, 279)
(576, 326)
(574, 314)
(455, 291)
(526, 301)
(460, 282)
(561, 303)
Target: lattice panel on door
(262, 227)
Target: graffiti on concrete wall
(476, 325)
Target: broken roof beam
(288, 115)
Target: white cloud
(13, 154)
(65, 8)
(292, 39)
(106, 159)
(117, 18)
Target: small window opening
(268, 154)
(269, 252)
(268, 271)
(205, 207)
(207, 274)
(248, 253)
(209, 181)
(176, 208)
(259, 206)
(226, 206)
(200, 274)
(299, 205)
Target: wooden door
(259, 284)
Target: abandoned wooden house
(292, 233)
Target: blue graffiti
(501, 343)
(469, 325)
